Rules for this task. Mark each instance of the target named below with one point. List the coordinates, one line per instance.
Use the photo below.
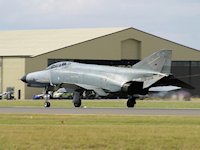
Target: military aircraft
(153, 71)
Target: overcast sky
(176, 20)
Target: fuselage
(105, 77)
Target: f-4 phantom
(153, 71)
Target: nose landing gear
(47, 103)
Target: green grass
(22, 131)
(195, 103)
(99, 132)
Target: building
(26, 51)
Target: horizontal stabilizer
(179, 83)
(164, 88)
(171, 80)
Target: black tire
(77, 104)
(131, 103)
(47, 104)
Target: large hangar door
(130, 49)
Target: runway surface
(100, 111)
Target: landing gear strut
(131, 102)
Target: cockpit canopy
(58, 65)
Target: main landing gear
(131, 101)
(77, 99)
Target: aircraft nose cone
(24, 79)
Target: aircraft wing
(97, 90)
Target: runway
(99, 111)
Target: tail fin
(159, 62)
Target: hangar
(25, 51)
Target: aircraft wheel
(47, 104)
(77, 104)
(76, 99)
(131, 103)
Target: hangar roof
(37, 42)
(30, 43)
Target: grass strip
(99, 132)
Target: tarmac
(100, 111)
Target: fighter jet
(153, 71)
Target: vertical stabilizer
(159, 62)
